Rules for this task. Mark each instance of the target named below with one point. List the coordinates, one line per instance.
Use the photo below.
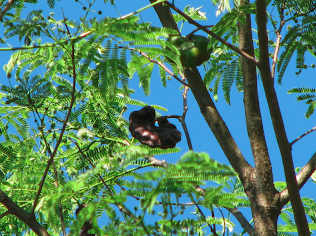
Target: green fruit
(199, 41)
(177, 40)
(190, 57)
(193, 51)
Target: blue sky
(171, 97)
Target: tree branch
(263, 180)
(7, 7)
(204, 28)
(278, 41)
(251, 102)
(158, 63)
(217, 124)
(212, 117)
(279, 129)
(8, 212)
(301, 178)
(50, 161)
(210, 113)
(27, 218)
(242, 220)
(303, 135)
(182, 118)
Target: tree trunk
(257, 181)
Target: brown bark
(213, 118)
(208, 109)
(301, 178)
(262, 192)
(258, 181)
(276, 116)
(24, 216)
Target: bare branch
(182, 119)
(251, 103)
(208, 109)
(242, 220)
(275, 56)
(54, 167)
(301, 178)
(278, 41)
(303, 135)
(213, 229)
(211, 114)
(168, 116)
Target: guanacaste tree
(72, 163)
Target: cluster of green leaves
(224, 68)
(288, 227)
(300, 38)
(309, 97)
(84, 79)
(81, 74)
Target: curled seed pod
(142, 126)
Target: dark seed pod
(142, 126)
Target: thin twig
(5, 214)
(7, 7)
(84, 34)
(168, 116)
(158, 63)
(197, 29)
(62, 130)
(301, 178)
(93, 166)
(60, 208)
(224, 221)
(121, 207)
(47, 45)
(54, 167)
(191, 21)
(213, 230)
(303, 135)
(275, 56)
(278, 41)
(214, 225)
(182, 119)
